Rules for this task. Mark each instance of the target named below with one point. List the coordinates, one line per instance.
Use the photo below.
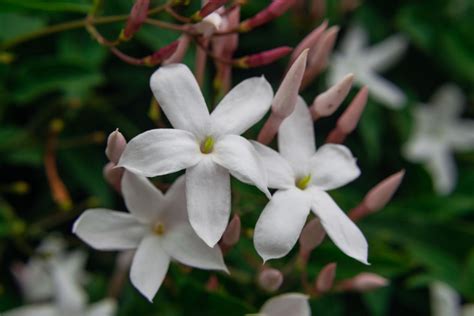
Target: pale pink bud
(113, 175)
(274, 10)
(210, 7)
(325, 279)
(309, 41)
(232, 233)
(200, 62)
(262, 58)
(270, 279)
(137, 16)
(161, 54)
(311, 236)
(363, 282)
(180, 52)
(381, 194)
(115, 146)
(329, 101)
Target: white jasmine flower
(293, 304)
(438, 131)
(365, 63)
(302, 175)
(157, 226)
(206, 145)
(445, 301)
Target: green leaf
(80, 6)
(14, 25)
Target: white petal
(106, 307)
(178, 94)
(208, 196)
(448, 101)
(238, 155)
(109, 230)
(333, 166)
(34, 310)
(442, 167)
(174, 205)
(142, 198)
(293, 304)
(279, 172)
(386, 53)
(296, 138)
(69, 295)
(461, 135)
(183, 245)
(342, 231)
(160, 151)
(149, 266)
(382, 90)
(280, 223)
(444, 300)
(354, 41)
(242, 107)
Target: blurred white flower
(365, 63)
(438, 131)
(206, 145)
(445, 301)
(157, 226)
(293, 304)
(35, 278)
(302, 175)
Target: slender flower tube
(161, 54)
(180, 52)
(262, 58)
(311, 236)
(274, 10)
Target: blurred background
(61, 94)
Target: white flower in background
(302, 175)
(157, 226)
(293, 304)
(68, 296)
(34, 277)
(438, 132)
(365, 63)
(206, 145)
(445, 301)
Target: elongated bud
(208, 8)
(363, 282)
(115, 146)
(135, 20)
(270, 279)
(325, 279)
(378, 196)
(113, 176)
(274, 10)
(232, 233)
(311, 236)
(285, 99)
(161, 54)
(309, 41)
(180, 52)
(209, 25)
(262, 58)
(329, 101)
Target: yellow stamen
(207, 145)
(302, 183)
(159, 229)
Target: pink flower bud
(161, 54)
(363, 282)
(113, 176)
(178, 55)
(309, 41)
(135, 20)
(311, 236)
(381, 194)
(115, 146)
(232, 233)
(349, 119)
(210, 7)
(270, 279)
(274, 10)
(325, 279)
(329, 101)
(262, 58)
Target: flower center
(207, 145)
(158, 229)
(302, 183)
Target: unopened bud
(309, 41)
(135, 20)
(181, 49)
(232, 233)
(311, 236)
(381, 194)
(274, 10)
(113, 176)
(262, 58)
(208, 8)
(115, 146)
(325, 279)
(363, 282)
(270, 279)
(349, 119)
(209, 25)
(161, 54)
(329, 101)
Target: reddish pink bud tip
(274, 10)
(115, 146)
(263, 58)
(211, 6)
(137, 17)
(270, 279)
(232, 233)
(161, 54)
(381, 194)
(325, 279)
(311, 236)
(309, 41)
(351, 116)
(181, 49)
